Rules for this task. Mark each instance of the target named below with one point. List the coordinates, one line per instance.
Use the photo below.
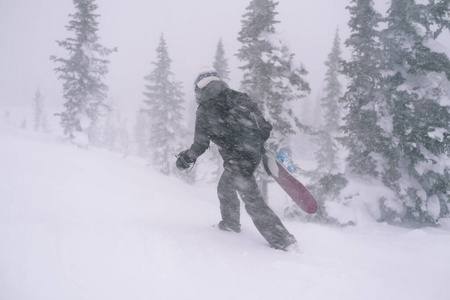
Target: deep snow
(89, 224)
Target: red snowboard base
(294, 188)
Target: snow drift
(88, 224)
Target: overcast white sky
(29, 29)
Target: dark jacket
(239, 147)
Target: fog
(29, 30)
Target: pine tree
(419, 168)
(83, 71)
(433, 16)
(364, 136)
(220, 63)
(39, 118)
(327, 182)
(124, 143)
(163, 105)
(106, 134)
(327, 154)
(270, 75)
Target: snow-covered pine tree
(164, 104)
(327, 182)
(220, 63)
(327, 153)
(83, 72)
(419, 92)
(124, 141)
(363, 132)
(37, 110)
(108, 133)
(270, 76)
(39, 117)
(437, 19)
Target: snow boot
(229, 227)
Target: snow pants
(265, 220)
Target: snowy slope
(88, 224)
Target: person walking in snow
(232, 121)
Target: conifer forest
(374, 132)
(101, 197)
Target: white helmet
(205, 76)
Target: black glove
(184, 161)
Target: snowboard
(294, 188)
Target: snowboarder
(233, 122)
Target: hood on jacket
(212, 90)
